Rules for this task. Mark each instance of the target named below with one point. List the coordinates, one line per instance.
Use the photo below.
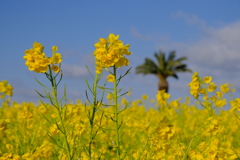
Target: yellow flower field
(108, 126)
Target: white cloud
(74, 71)
(139, 36)
(189, 18)
(218, 49)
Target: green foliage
(166, 66)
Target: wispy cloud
(139, 36)
(74, 71)
(219, 49)
(189, 18)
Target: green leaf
(40, 94)
(42, 84)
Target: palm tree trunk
(162, 84)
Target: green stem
(116, 113)
(94, 109)
(54, 92)
(194, 135)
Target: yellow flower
(112, 38)
(110, 78)
(165, 131)
(41, 69)
(213, 98)
(2, 87)
(55, 68)
(9, 147)
(224, 88)
(109, 52)
(213, 127)
(3, 126)
(144, 97)
(29, 51)
(205, 97)
(202, 91)
(219, 94)
(220, 103)
(54, 129)
(37, 61)
(235, 104)
(25, 115)
(16, 157)
(79, 129)
(207, 79)
(54, 48)
(27, 156)
(57, 58)
(45, 62)
(9, 90)
(122, 62)
(98, 69)
(102, 41)
(5, 89)
(212, 87)
(195, 85)
(38, 47)
(195, 155)
(162, 97)
(152, 100)
(109, 96)
(174, 104)
(124, 101)
(195, 74)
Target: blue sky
(207, 32)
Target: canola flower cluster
(162, 97)
(157, 129)
(111, 52)
(36, 59)
(205, 88)
(5, 89)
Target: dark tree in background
(165, 67)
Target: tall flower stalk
(55, 103)
(111, 52)
(92, 113)
(116, 112)
(37, 61)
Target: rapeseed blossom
(162, 97)
(212, 87)
(110, 78)
(225, 88)
(5, 89)
(195, 85)
(36, 59)
(145, 97)
(111, 52)
(207, 79)
(235, 104)
(165, 131)
(3, 126)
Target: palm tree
(165, 67)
